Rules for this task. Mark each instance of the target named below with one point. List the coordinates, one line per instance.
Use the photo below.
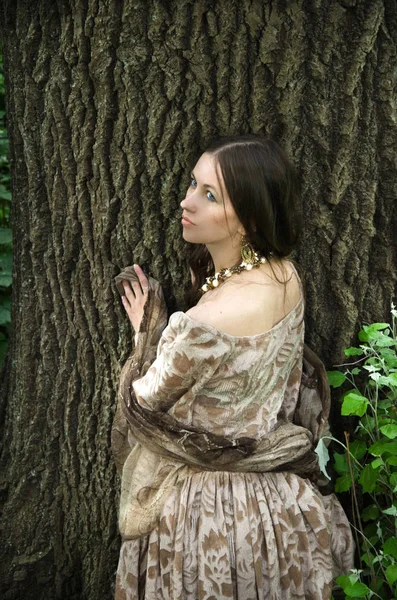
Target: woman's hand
(136, 294)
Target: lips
(186, 219)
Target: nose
(188, 204)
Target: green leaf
(389, 431)
(4, 194)
(343, 581)
(336, 378)
(385, 404)
(376, 463)
(390, 358)
(368, 422)
(391, 574)
(370, 513)
(340, 463)
(356, 371)
(390, 546)
(376, 327)
(5, 235)
(354, 404)
(347, 580)
(369, 478)
(352, 351)
(384, 340)
(358, 449)
(372, 333)
(358, 590)
(343, 483)
(392, 377)
(390, 511)
(392, 460)
(388, 380)
(393, 479)
(5, 315)
(323, 457)
(5, 280)
(383, 446)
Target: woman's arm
(149, 308)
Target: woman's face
(205, 206)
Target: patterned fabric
(218, 533)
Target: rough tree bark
(108, 104)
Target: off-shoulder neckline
(218, 332)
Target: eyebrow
(206, 185)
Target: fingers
(143, 280)
(136, 289)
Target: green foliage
(5, 231)
(367, 466)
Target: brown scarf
(167, 451)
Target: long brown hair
(264, 189)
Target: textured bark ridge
(109, 104)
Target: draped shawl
(154, 452)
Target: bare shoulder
(252, 304)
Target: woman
(219, 411)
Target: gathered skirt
(245, 536)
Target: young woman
(220, 410)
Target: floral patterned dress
(234, 535)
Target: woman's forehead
(209, 171)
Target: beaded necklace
(214, 281)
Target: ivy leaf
(376, 463)
(369, 422)
(370, 513)
(358, 449)
(336, 378)
(358, 590)
(383, 446)
(369, 478)
(390, 511)
(389, 431)
(323, 457)
(389, 356)
(340, 463)
(393, 480)
(390, 546)
(354, 404)
(384, 340)
(343, 483)
(343, 581)
(391, 574)
(356, 371)
(393, 378)
(375, 327)
(385, 403)
(387, 380)
(352, 351)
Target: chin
(189, 238)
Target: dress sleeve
(188, 354)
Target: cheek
(219, 217)
(228, 222)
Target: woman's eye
(211, 197)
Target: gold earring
(248, 254)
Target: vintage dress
(208, 510)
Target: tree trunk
(109, 104)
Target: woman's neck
(224, 256)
